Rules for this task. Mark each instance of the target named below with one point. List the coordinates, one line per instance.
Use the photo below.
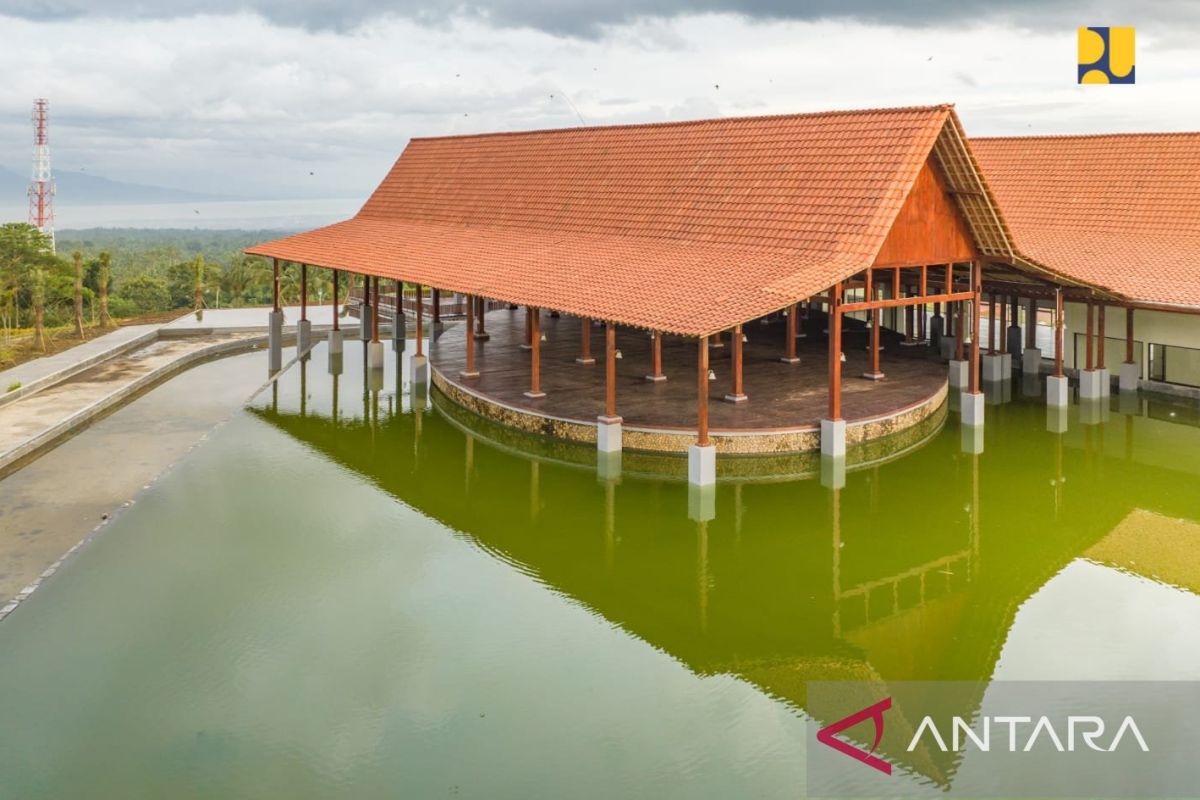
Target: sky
(315, 98)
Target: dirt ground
(20, 348)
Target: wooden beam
(1129, 336)
(470, 371)
(585, 339)
(974, 367)
(337, 278)
(906, 301)
(420, 315)
(610, 370)
(656, 373)
(1058, 334)
(835, 353)
(736, 395)
(535, 354)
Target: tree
(146, 293)
(78, 258)
(24, 256)
(198, 293)
(102, 287)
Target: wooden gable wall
(929, 228)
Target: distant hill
(79, 188)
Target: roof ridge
(1121, 135)
(701, 121)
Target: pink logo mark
(827, 735)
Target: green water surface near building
(387, 604)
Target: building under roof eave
(688, 228)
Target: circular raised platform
(782, 414)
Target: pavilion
(691, 232)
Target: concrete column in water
(1057, 391)
(275, 325)
(608, 424)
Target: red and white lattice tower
(41, 187)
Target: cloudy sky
(315, 98)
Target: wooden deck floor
(780, 395)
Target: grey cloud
(587, 18)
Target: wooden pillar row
(736, 394)
(535, 352)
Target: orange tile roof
(685, 227)
(1121, 211)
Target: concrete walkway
(60, 394)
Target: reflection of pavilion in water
(913, 571)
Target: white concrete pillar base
(702, 465)
(364, 323)
(336, 363)
(275, 341)
(1006, 362)
(608, 434)
(787, 360)
(1058, 391)
(335, 342)
(1105, 381)
(833, 437)
(911, 343)
(873, 376)
(375, 355)
(959, 374)
(303, 335)
(608, 465)
(1089, 384)
(1031, 361)
(1129, 377)
(655, 378)
(833, 472)
(736, 398)
(1056, 419)
(971, 439)
(702, 502)
(972, 408)
(587, 362)
(993, 367)
(418, 369)
(1093, 411)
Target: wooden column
(528, 343)
(974, 367)
(702, 392)
(1091, 334)
(737, 395)
(1100, 337)
(275, 285)
(375, 311)
(337, 278)
(793, 312)
(959, 310)
(910, 316)
(656, 373)
(610, 370)
(1058, 333)
(874, 373)
(470, 371)
(436, 301)
(399, 326)
(835, 352)
(535, 361)
(1129, 336)
(420, 315)
(304, 291)
(991, 324)
(585, 338)
(480, 312)
(1003, 324)
(1031, 317)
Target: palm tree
(78, 258)
(102, 280)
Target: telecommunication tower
(41, 187)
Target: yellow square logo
(1106, 55)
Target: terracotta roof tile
(1120, 210)
(684, 227)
